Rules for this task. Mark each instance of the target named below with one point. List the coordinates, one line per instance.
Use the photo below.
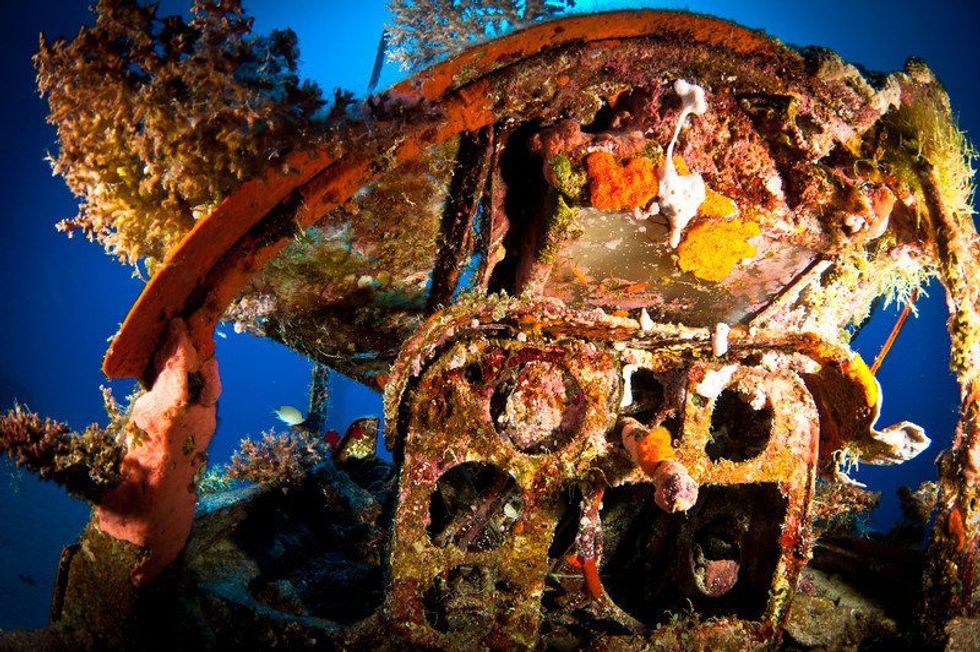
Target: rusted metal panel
(522, 399)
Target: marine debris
(606, 270)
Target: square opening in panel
(719, 558)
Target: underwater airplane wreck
(605, 270)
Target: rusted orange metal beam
(221, 253)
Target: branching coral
(927, 133)
(214, 480)
(85, 463)
(424, 31)
(160, 118)
(841, 507)
(278, 459)
(846, 292)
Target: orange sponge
(717, 205)
(653, 449)
(711, 250)
(617, 187)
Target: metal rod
(896, 329)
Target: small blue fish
(289, 415)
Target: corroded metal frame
(216, 259)
(439, 419)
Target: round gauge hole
(474, 506)
(739, 432)
(538, 408)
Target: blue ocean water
(61, 298)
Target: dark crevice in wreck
(466, 602)
(648, 395)
(526, 199)
(739, 431)
(719, 558)
(474, 507)
(311, 558)
(602, 120)
(569, 510)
